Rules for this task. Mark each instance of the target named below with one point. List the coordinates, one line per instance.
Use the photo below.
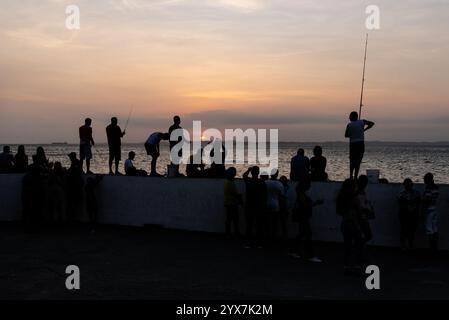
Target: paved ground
(142, 263)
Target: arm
(368, 124)
(91, 138)
(347, 133)
(245, 175)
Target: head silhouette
(284, 180)
(72, 156)
(21, 149)
(131, 155)
(88, 122)
(346, 194)
(177, 120)
(255, 171)
(408, 184)
(362, 182)
(317, 151)
(274, 174)
(300, 152)
(114, 120)
(231, 173)
(354, 116)
(40, 151)
(428, 178)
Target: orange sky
(287, 64)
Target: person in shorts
(355, 131)
(152, 148)
(86, 143)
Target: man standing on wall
(114, 134)
(176, 125)
(86, 143)
(355, 131)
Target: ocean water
(395, 160)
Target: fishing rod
(363, 78)
(129, 116)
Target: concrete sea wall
(197, 205)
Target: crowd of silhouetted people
(53, 194)
(267, 214)
(50, 192)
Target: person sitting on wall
(195, 170)
(152, 148)
(130, 169)
(299, 166)
(6, 160)
(217, 169)
(20, 160)
(318, 165)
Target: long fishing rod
(129, 116)
(363, 78)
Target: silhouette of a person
(20, 160)
(430, 212)
(304, 209)
(152, 148)
(255, 205)
(176, 125)
(232, 200)
(6, 160)
(299, 166)
(409, 200)
(114, 134)
(318, 165)
(75, 184)
(91, 200)
(86, 143)
(355, 131)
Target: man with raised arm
(355, 131)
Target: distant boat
(59, 143)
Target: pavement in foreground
(147, 263)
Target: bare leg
(117, 162)
(87, 165)
(153, 164)
(110, 165)
(356, 169)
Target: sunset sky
(288, 64)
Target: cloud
(240, 5)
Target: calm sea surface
(395, 161)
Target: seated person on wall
(217, 170)
(318, 165)
(6, 160)
(299, 166)
(195, 170)
(20, 160)
(130, 169)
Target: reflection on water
(395, 161)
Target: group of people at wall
(267, 214)
(53, 193)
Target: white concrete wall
(197, 204)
